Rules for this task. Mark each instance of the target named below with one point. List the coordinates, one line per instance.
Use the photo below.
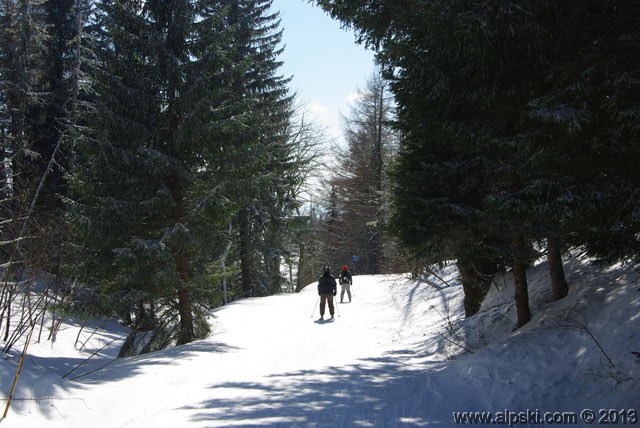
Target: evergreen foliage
(268, 158)
(38, 88)
(184, 154)
(518, 124)
(33, 97)
(23, 40)
(190, 127)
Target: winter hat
(326, 269)
(345, 268)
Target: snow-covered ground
(400, 355)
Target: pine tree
(40, 74)
(23, 41)
(457, 119)
(150, 180)
(360, 178)
(36, 36)
(443, 173)
(269, 157)
(526, 96)
(589, 104)
(191, 127)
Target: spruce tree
(444, 173)
(151, 178)
(586, 118)
(191, 127)
(537, 99)
(267, 156)
(23, 41)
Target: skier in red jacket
(345, 281)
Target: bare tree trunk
(476, 280)
(558, 281)
(521, 294)
(301, 268)
(379, 165)
(186, 333)
(225, 291)
(8, 303)
(245, 253)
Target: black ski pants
(324, 299)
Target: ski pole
(335, 305)
(314, 307)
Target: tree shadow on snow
(125, 368)
(375, 392)
(46, 379)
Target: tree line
(153, 160)
(518, 129)
(350, 217)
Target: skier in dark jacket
(327, 288)
(345, 281)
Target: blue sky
(327, 65)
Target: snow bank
(400, 355)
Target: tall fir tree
(518, 89)
(23, 49)
(267, 193)
(151, 180)
(192, 126)
(589, 103)
(40, 80)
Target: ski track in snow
(391, 358)
(268, 362)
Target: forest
(155, 163)
(519, 137)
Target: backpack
(344, 278)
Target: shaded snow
(400, 355)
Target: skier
(345, 281)
(326, 289)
